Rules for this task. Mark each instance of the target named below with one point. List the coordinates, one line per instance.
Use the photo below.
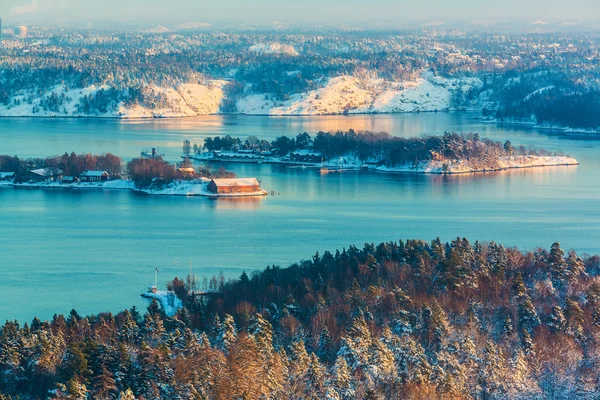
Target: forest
(381, 147)
(549, 99)
(395, 320)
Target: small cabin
(185, 172)
(94, 176)
(233, 185)
(305, 157)
(45, 175)
(69, 179)
(7, 176)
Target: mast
(155, 276)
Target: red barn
(234, 185)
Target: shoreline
(429, 167)
(533, 125)
(122, 118)
(177, 188)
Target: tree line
(381, 147)
(144, 172)
(395, 320)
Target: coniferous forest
(396, 320)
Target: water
(96, 250)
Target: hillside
(397, 320)
(343, 94)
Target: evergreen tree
(556, 262)
(227, 334)
(528, 318)
(575, 318)
(325, 350)
(556, 321)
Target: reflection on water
(240, 203)
(96, 250)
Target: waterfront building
(45, 175)
(234, 185)
(94, 176)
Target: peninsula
(148, 175)
(449, 153)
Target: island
(148, 175)
(450, 153)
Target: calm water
(96, 250)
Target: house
(7, 176)
(234, 185)
(94, 176)
(185, 172)
(52, 174)
(69, 179)
(305, 157)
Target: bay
(96, 250)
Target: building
(305, 157)
(185, 172)
(21, 31)
(234, 185)
(45, 175)
(94, 176)
(69, 179)
(7, 176)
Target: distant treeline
(380, 147)
(395, 320)
(550, 99)
(71, 164)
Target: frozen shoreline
(535, 125)
(425, 167)
(177, 188)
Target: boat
(152, 154)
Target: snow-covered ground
(462, 167)
(338, 95)
(273, 48)
(531, 122)
(430, 167)
(177, 188)
(348, 94)
(169, 302)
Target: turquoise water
(96, 250)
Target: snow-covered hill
(342, 94)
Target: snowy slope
(342, 94)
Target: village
(157, 177)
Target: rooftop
(236, 182)
(93, 173)
(47, 171)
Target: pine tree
(556, 321)
(528, 318)
(490, 371)
(104, 385)
(325, 350)
(129, 331)
(341, 379)
(526, 343)
(507, 327)
(575, 318)
(575, 267)
(126, 395)
(557, 264)
(226, 335)
(315, 379)
(518, 287)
